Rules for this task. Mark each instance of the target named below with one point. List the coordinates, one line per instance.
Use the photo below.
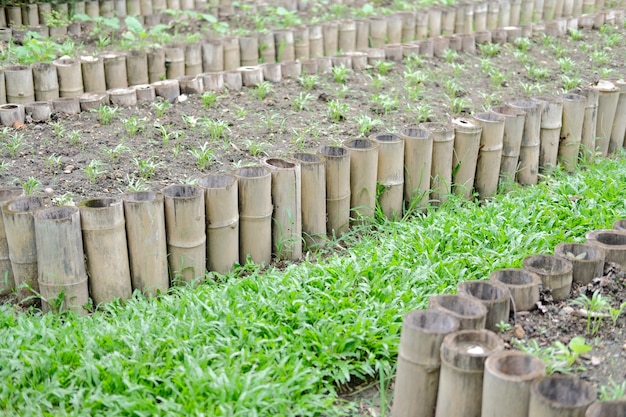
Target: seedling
(599, 57)
(301, 101)
(384, 103)
(146, 167)
(522, 44)
(133, 125)
(209, 99)
(167, 135)
(105, 114)
(415, 78)
(538, 73)
(576, 34)
(489, 49)
(217, 129)
(340, 74)
(30, 186)
(613, 391)
(14, 143)
(93, 170)
(161, 107)
(115, 154)
(566, 64)
(204, 155)
(256, 148)
(383, 67)
(53, 163)
(366, 124)
(308, 82)
(558, 357)
(450, 55)
(262, 90)
(74, 137)
(503, 326)
(570, 82)
(596, 308)
(337, 111)
(66, 199)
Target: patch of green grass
(279, 341)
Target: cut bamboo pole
(490, 154)
(185, 230)
(313, 194)
(442, 136)
(611, 242)
(549, 134)
(60, 260)
(555, 273)
(316, 41)
(378, 31)
(506, 383)
(523, 285)
(571, 129)
(8, 282)
(417, 375)
(466, 146)
(494, 295)
(470, 312)
(168, 89)
(511, 141)
(560, 396)
(255, 214)
(363, 171)
(147, 250)
(302, 50)
(11, 114)
(287, 214)
(45, 82)
(249, 51)
(137, 68)
(175, 61)
(104, 239)
(618, 130)
(463, 356)
(93, 101)
(587, 142)
(156, 65)
(213, 55)
(390, 176)
(67, 105)
(19, 248)
(70, 77)
(615, 408)
(284, 45)
(222, 221)
(115, 70)
(212, 81)
(39, 111)
(528, 171)
(19, 84)
(193, 58)
(337, 189)
(267, 48)
(347, 35)
(608, 96)
(587, 260)
(418, 150)
(93, 74)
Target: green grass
(279, 342)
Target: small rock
(595, 361)
(566, 311)
(182, 98)
(518, 331)
(68, 169)
(48, 191)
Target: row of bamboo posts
(451, 362)
(147, 241)
(74, 84)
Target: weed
(558, 357)
(503, 327)
(613, 391)
(204, 155)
